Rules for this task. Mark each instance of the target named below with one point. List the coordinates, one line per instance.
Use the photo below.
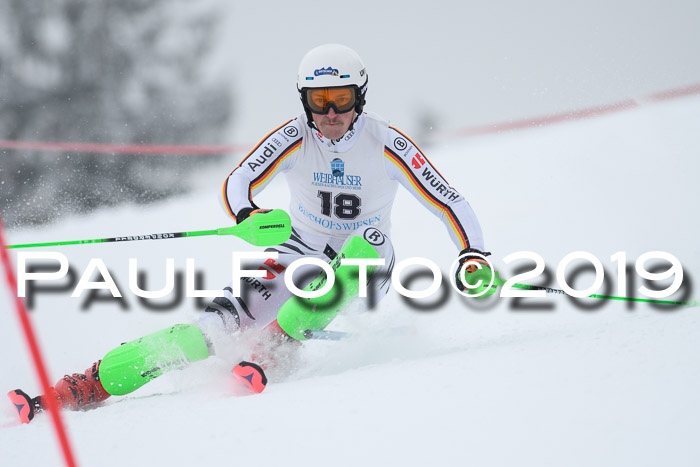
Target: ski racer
(343, 167)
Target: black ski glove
(245, 213)
(473, 274)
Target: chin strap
(352, 124)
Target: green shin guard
(133, 364)
(300, 314)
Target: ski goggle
(320, 100)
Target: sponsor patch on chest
(336, 177)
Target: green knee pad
(299, 314)
(135, 363)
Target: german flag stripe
(224, 188)
(261, 143)
(429, 197)
(265, 176)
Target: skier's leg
(135, 363)
(281, 338)
(121, 371)
(251, 316)
(298, 315)
(239, 323)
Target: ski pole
(261, 229)
(326, 335)
(603, 297)
(340, 335)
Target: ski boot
(78, 391)
(275, 351)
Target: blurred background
(217, 72)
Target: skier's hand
(476, 273)
(245, 213)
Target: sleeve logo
(400, 144)
(418, 161)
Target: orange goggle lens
(320, 100)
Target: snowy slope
(474, 383)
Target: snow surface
(470, 383)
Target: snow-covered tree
(127, 71)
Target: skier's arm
(409, 166)
(275, 153)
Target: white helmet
(332, 66)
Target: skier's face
(333, 125)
